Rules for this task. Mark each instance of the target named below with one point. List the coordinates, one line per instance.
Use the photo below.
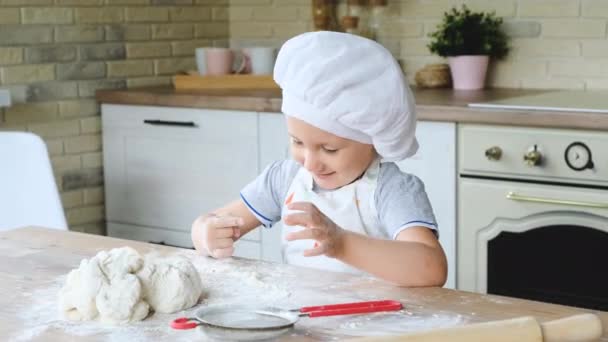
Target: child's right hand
(215, 235)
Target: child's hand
(319, 227)
(215, 235)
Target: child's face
(333, 161)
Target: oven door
(534, 241)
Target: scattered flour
(234, 281)
(40, 315)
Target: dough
(120, 301)
(170, 284)
(120, 286)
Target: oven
(533, 214)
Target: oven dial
(578, 156)
(533, 157)
(494, 153)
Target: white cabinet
(165, 166)
(274, 146)
(435, 165)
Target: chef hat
(349, 86)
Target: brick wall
(54, 54)
(556, 43)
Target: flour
(230, 281)
(40, 316)
(224, 282)
(237, 282)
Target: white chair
(28, 193)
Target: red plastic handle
(352, 308)
(184, 323)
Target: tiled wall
(556, 43)
(54, 54)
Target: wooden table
(34, 262)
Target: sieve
(251, 321)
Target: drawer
(185, 122)
(166, 176)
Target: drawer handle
(163, 243)
(521, 198)
(170, 123)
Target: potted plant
(468, 40)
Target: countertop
(432, 105)
(34, 262)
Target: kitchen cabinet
(165, 166)
(435, 165)
(274, 145)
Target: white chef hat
(349, 86)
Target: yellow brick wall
(555, 43)
(56, 53)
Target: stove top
(565, 101)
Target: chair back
(28, 193)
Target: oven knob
(493, 153)
(533, 157)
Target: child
(347, 107)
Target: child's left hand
(319, 227)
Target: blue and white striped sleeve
(265, 194)
(402, 202)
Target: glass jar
(377, 16)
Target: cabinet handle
(521, 198)
(167, 244)
(170, 123)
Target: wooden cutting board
(577, 328)
(193, 82)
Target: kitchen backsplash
(556, 43)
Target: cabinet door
(165, 166)
(274, 145)
(435, 165)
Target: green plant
(463, 32)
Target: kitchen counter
(432, 105)
(34, 262)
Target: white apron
(351, 207)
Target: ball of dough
(120, 301)
(120, 286)
(105, 288)
(170, 284)
(77, 297)
(119, 261)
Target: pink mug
(221, 61)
